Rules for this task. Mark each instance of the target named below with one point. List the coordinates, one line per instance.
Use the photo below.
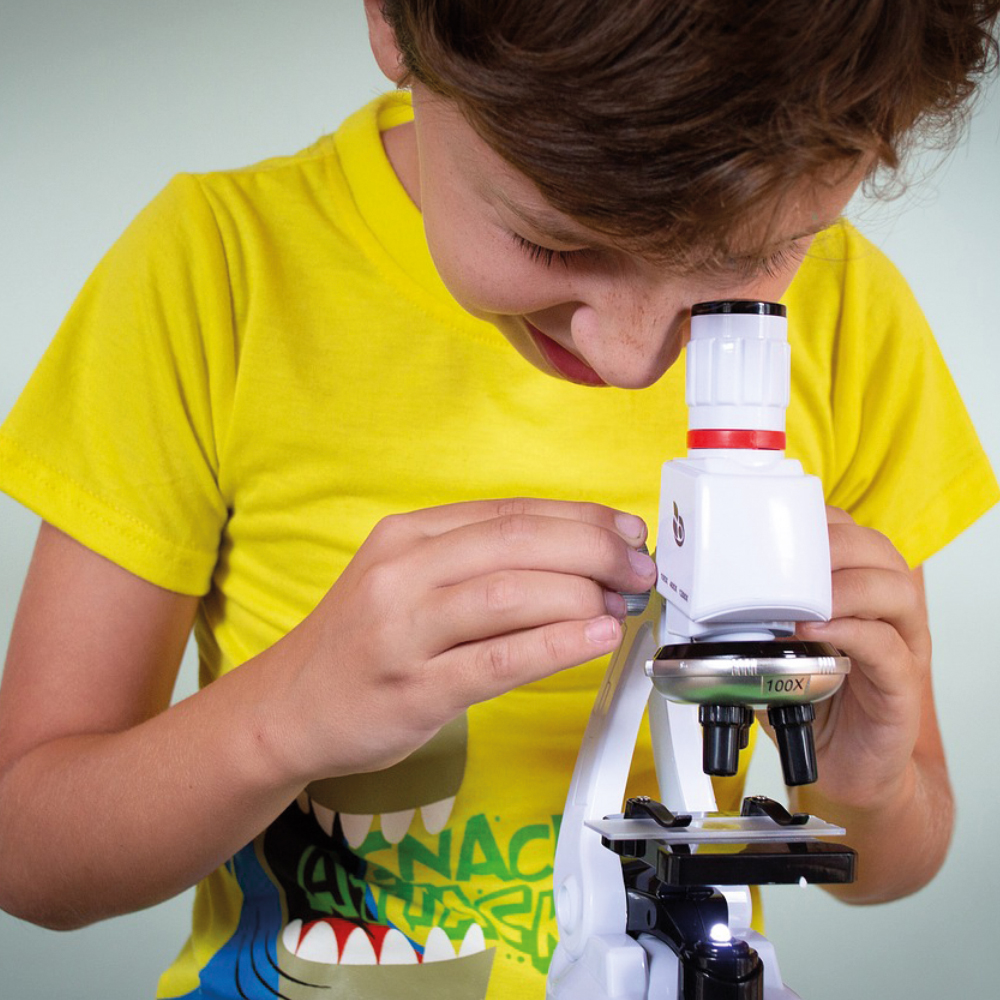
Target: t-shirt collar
(381, 199)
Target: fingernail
(642, 563)
(602, 630)
(812, 627)
(615, 604)
(631, 526)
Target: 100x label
(785, 685)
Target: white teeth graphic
(437, 814)
(355, 828)
(396, 950)
(358, 950)
(439, 947)
(320, 944)
(472, 942)
(324, 817)
(395, 825)
(290, 935)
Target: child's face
(571, 303)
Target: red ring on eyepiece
(737, 438)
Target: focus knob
(635, 604)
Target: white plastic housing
(743, 539)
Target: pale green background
(102, 101)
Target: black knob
(721, 971)
(724, 734)
(793, 729)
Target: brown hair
(664, 123)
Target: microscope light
(720, 934)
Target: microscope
(654, 902)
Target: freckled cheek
(770, 289)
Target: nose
(630, 340)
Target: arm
(881, 760)
(110, 801)
(96, 778)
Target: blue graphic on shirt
(247, 961)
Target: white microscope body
(647, 906)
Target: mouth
(335, 940)
(568, 365)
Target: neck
(400, 143)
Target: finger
(491, 667)
(836, 515)
(533, 542)
(852, 545)
(882, 666)
(883, 595)
(514, 600)
(439, 520)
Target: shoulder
(846, 280)
(320, 177)
(308, 204)
(849, 301)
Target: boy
(212, 324)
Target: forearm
(96, 825)
(901, 841)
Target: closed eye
(773, 265)
(747, 268)
(546, 255)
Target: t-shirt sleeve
(117, 436)
(908, 460)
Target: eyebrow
(547, 225)
(787, 241)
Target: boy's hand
(445, 607)
(867, 734)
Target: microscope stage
(719, 828)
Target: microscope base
(684, 940)
(619, 967)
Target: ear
(383, 43)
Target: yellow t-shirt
(267, 363)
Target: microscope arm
(589, 892)
(595, 957)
